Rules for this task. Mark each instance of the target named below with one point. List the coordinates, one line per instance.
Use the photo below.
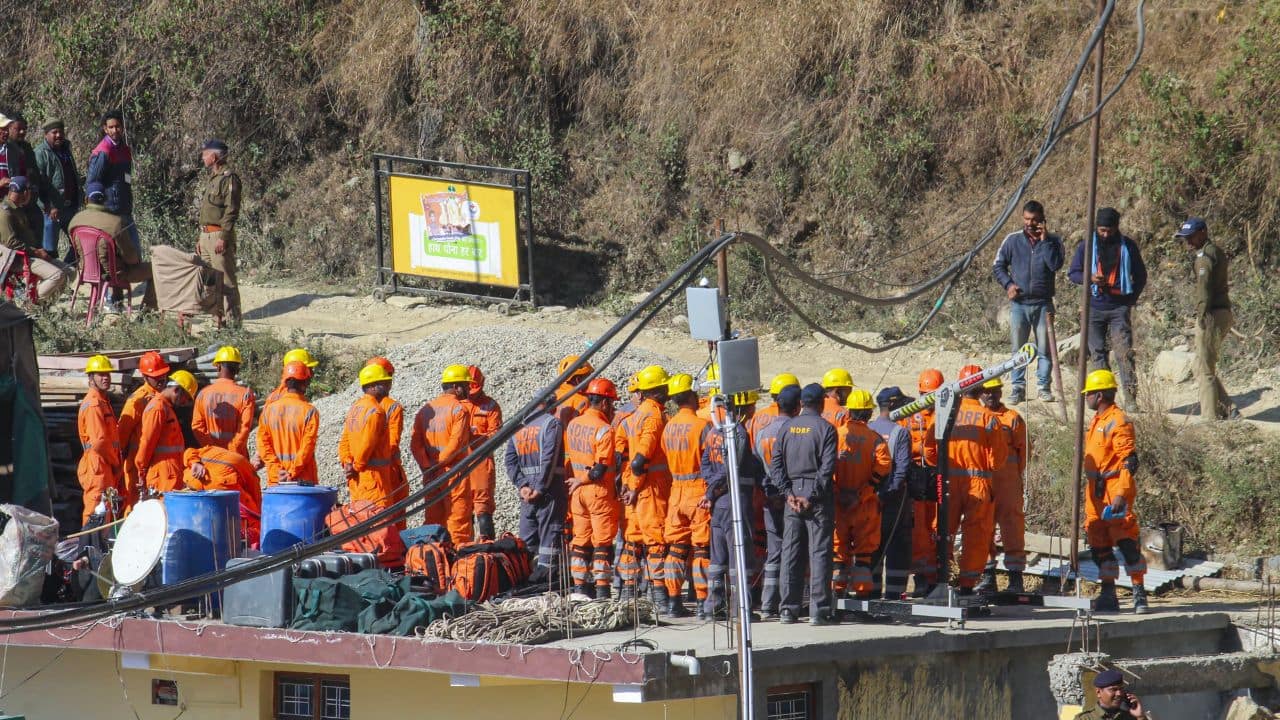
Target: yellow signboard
(454, 231)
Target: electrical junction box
(706, 313)
(739, 365)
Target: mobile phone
(1125, 704)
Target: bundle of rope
(528, 621)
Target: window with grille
(312, 697)
(791, 702)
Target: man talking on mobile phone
(1025, 266)
(1114, 700)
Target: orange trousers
(454, 512)
(95, 477)
(924, 541)
(687, 532)
(856, 539)
(644, 523)
(1007, 491)
(595, 515)
(973, 514)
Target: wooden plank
(120, 359)
(1050, 545)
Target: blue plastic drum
(294, 514)
(203, 533)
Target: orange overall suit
(160, 446)
(976, 449)
(1007, 492)
(862, 461)
(223, 415)
(589, 441)
(1108, 447)
(130, 432)
(441, 436)
(100, 465)
(227, 470)
(486, 418)
(287, 434)
(924, 539)
(366, 445)
(688, 524)
(641, 434)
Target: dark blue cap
(19, 184)
(887, 396)
(1192, 226)
(812, 393)
(790, 396)
(1108, 678)
(94, 188)
(214, 144)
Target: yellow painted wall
(91, 684)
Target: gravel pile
(516, 362)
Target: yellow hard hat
(749, 397)
(837, 378)
(859, 399)
(227, 354)
(298, 355)
(651, 377)
(1099, 380)
(98, 364)
(680, 382)
(782, 380)
(633, 382)
(713, 376)
(370, 374)
(184, 380)
(993, 383)
(454, 374)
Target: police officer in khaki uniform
(1115, 702)
(1213, 317)
(219, 209)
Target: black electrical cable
(415, 502)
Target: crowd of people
(45, 203)
(638, 494)
(1028, 262)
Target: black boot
(587, 590)
(676, 608)
(660, 600)
(1015, 583)
(1139, 600)
(484, 526)
(1106, 600)
(627, 593)
(988, 582)
(603, 592)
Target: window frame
(315, 680)
(811, 689)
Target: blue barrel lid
(194, 494)
(299, 489)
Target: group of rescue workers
(830, 489)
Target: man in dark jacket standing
(111, 163)
(803, 464)
(62, 185)
(1117, 278)
(1025, 266)
(1213, 317)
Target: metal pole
(722, 272)
(377, 217)
(1086, 291)
(742, 584)
(1057, 366)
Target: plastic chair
(99, 279)
(28, 279)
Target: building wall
(92, 684)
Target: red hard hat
(969, 371)
(152, 364)
(930, 380)
(603, 387)
(297, 371)
(477, 378)
(385, 363)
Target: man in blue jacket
(111, 163)
(1025, 266)
(1117, 278)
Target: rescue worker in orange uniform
(709, 388)
(288, 430)
(976, 449)
(160, 446)
(223, 413)
(395, 433)
(720, 569)
(862, 463)
(646, 482)
(837, 383)
(593, 502)
(100, 467)
(763, 428)
(1007, 491)
(620, 414)
(155, 374)
(1110, 519)
(924, 459)
(214, 468)
(295, 355)
(687, 531)
(364, 450)
(534, 455)
(441, 437)
(573, 402)
(486, 418)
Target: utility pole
(722, 275)
(1086, 293)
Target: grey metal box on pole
(739, 365)
(707, 317)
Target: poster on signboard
(454, 231)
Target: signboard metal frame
(389, 282)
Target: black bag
(414, 611)
(325, 604)
(922, 482)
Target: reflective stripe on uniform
(379, 462)
(686, 476)
(221, 435)
(968, 472)
(173, 449)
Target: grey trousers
(1111, 333)
(893, 557)
(806, 540)
(542, 524)
(770, 591)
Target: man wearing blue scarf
(1117, 278)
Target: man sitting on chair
(129, 265)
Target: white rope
(524, 621)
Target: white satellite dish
(139, 543)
